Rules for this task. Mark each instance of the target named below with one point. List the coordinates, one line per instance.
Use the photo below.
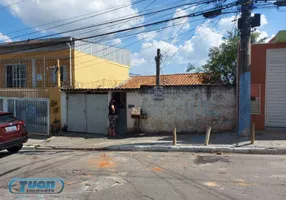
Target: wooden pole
(208, 133)
(252, 133)
(58, 73)
(174, 136)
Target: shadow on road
(3, 154)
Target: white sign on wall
(158, 93)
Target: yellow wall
(92, 72)
(89, 71)
(44, 60)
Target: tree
(191, 67)
(222, 62)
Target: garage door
(276, 88)
(88, 113)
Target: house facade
(186, 103)
(268, 89)
(30, 79)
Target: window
(7, 118)
(16, 75)
(255, 99)
(63, 74)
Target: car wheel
(15, 149)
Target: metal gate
(34, 111)
(88, 113)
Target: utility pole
(244, 24)
(158, 59)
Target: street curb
(29, 148)
(200, 149)
(194, 149)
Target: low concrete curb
(31, 147)
(195, 149)
(202, 149)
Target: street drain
(209, 159)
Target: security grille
(34, 111)
(255, 99)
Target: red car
(12, 132)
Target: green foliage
(222, 62)
(191, 67)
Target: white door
(77, 113)
(97, 113)
(88, 113)
(276, 88)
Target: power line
(148, 30)
(224, 12)
(123, 47)
(92, 42)
(178, 33)
(66, 19)
(102, 13)
(128, 46)
(109, 10)
(13, 4)
(160, 22)
(195, 14)
(161, 29)
(139, 12)
(122, 19)
(86, 14)
(164, 15)
(185, 43)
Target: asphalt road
(145, 175)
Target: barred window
(255, 99)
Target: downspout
(69, 44)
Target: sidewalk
(265, 143)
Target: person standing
(112, 116)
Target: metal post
(174, 136)
(244, 70)
(158, 59)
(208, 133)
(252, 133)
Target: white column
(64, 112)
(5, 105)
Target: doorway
(121, 124)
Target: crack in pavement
(135, 188)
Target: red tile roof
(171, 79)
